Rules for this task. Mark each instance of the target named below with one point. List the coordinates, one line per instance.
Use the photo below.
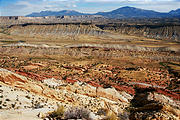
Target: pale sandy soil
(23, 114)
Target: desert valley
(89, 67)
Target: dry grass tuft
(59, 113)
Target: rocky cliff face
(164, 32)
(56, 30)
(160, 32)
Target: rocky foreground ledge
(24, 98)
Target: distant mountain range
(124, 12)
(56, 13)
(175, 13)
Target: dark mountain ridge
(131, 12)
(175, 13)
(124, 12)
(56, 13)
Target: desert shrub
(13, 105)
(37, 106)
(58, 113)
(77, 113)
(8, 99)
(123, 116)
(102, 111)
(112, 116)
(109, 115)
(28, 97)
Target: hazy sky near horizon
(24, 7)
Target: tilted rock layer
(50, 92)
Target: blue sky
(24, 7)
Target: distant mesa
(72, 17)
(123, 12)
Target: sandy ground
(22, 114)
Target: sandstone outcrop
(71, 94)
(146, 105)
(50, 92)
